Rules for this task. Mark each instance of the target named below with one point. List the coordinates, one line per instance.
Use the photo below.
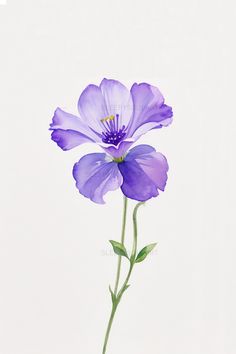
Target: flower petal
(66, 121)
(92, 107)
(69, 131)
(95, 175)
(118, 100)
(144, 172)
(68, 139)
(149, 108)
(118, 150)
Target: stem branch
(117, 297)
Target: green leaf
(119, 248)
(113, 297)
(144, 252)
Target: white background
(55, 261)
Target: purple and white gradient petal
(118, 100)
(68, 131)
(144, 172)
(95, 175)
(92, 108)
(150, 112)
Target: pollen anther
(109, 118)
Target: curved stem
(122, 242)
(134, 251)
(117, 297)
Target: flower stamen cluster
(113, 134)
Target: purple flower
(114, 118)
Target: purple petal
(92, 107)
(69, 131)
(144, 128)
(144, 172)
(149, 109)
(95, 175)
(68, 139)
(118, 100)
(119, 150)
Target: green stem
(122, 242)
(117, 297)
(109, 328)
(134, 252)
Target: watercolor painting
(117, 193)
(114, 118)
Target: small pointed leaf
(144, 252)
(126, 287)
(119, 249)
(113, 297)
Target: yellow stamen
(108, 118)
